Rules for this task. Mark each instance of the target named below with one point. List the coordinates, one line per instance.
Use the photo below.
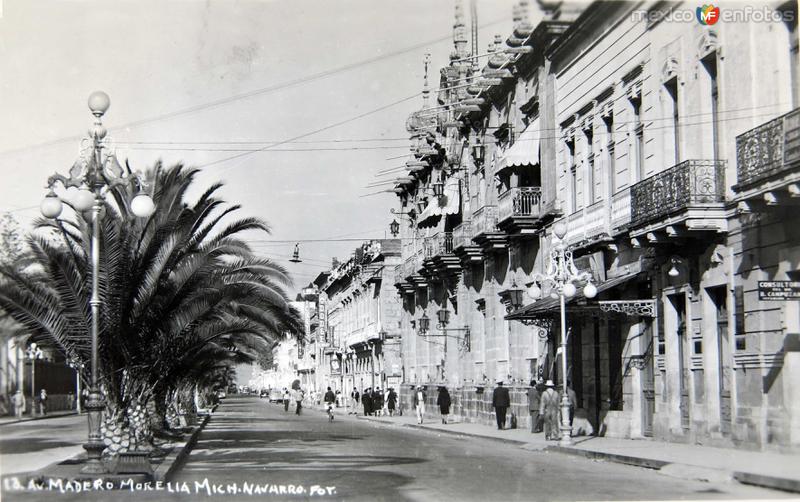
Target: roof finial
(460, 31)
(425, 90)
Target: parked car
(275, 396)
(263, 393)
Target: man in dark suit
(500, 402)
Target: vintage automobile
(275, 396)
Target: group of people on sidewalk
(443, 401)
(544, 406)
(375, 401)
(20, 403)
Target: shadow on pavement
(10, 446)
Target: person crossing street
(330, 399)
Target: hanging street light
(559, 279)
(394, 228)
(94, 175)
(296, 254)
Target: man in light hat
(419, 403)
(500, 402)
(548, 408)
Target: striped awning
(524, 151)
(449, 203)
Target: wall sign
(778, 290)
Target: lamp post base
(95, 404)
(566, 428)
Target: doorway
(719, 299)
(648, 381)
(678, 303)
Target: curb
(45, 417)
(647, 463)
(448, 432)
(746, 478)
(783, 484)
(174, 461)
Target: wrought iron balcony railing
(462, 235)
(439, 244)
(690, 183)
(768, 150)
(484, 221)
(520, 201)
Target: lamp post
(33, 352)
(95, 173)
(559, 278)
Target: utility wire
(330, 126)
(256, 92)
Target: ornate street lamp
(95, 173)
(559, 278)
(394, 228)
(443, 316)
(424, 323)
(33, 353)
(438, 189)
(478, 153)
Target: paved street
(251, 441)
(34, 444)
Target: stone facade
(633, 129)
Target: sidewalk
(772, 470)
(27, 418)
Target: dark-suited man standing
(500, 401)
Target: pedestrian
(70, 400)
(391, 401)
(42, 402)
(500, 402)
(377, 398)
(298, 397)
(338, 399)
(19, 403)
(366, 400)
(356, 399)
(573, 400)
(444, 403)
(548, 408)
(330, 399)
(286, 399)
(533, 405)
(419, 403)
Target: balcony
(519, 210)
(768, 163)
(590, 225)
(463, 247)
(439, 257)
(621, 210)
(686, 197)
(485, 231)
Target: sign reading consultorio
(779, 290)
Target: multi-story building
(357, 325)
(633, 124)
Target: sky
(202, 82)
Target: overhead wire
(256, 92)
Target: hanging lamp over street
(296, 254)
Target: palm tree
(176, 286)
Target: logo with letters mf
(707, 15)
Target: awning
(550, 307)
(449, 203)
(524, 151)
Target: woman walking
(391, 401)
(444, 403)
